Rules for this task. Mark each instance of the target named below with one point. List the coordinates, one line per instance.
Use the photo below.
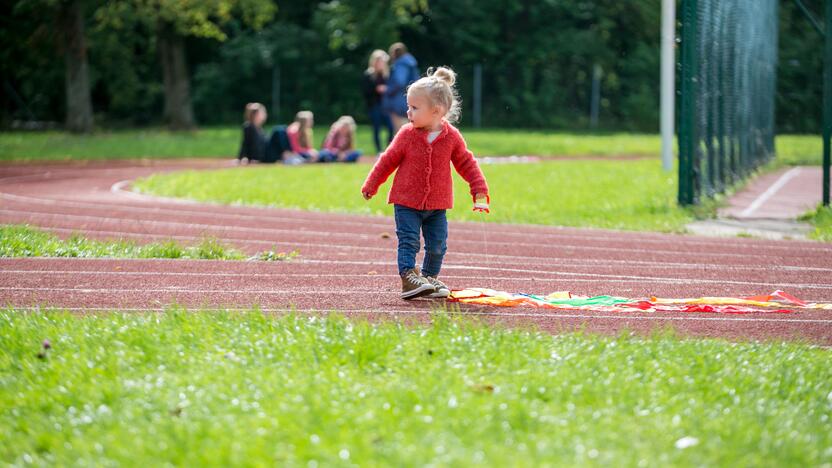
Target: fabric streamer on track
(770, 303)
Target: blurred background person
(404, 71)
(373, 87)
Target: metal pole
(668, 68)
(688, 139)
(827, 101)
(595, 101)
(477, 95)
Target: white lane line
(770, 191)
(268, 213)
(174, 224)
(536, 261)
(241, 240)
(186, 290)
(528, 260)
(29, 214)
(577, 276)
(118, 188)
(553, 315)
(592, 233)
(294, 215)
(243, 276)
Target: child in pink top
(339, 145)
(299, 134)
(421, 154)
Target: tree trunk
(178, 112)
(78, 102)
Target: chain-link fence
(728, 78)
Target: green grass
(799, 150)
(26, 241)
(634, 195)
(821, 219)
(223, 142)
(225, 389)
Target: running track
(347, 262)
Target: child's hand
(481, 202)
(367, 196)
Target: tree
(174, 21)
(64, 31)
(78, 103)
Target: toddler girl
(421, 154)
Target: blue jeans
(433, 225)
(326, 156)
(380, 119)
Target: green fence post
(687, 104)
(827, 101)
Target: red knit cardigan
(423, 170)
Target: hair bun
(445, 75)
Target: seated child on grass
(300, 136)
(339, 145)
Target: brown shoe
(415, 285)
(442, 291)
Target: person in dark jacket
(405, 71)
(253, 146)
(373, 86)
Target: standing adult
(403, 72)
(373, 86)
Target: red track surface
(348, 263)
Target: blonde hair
(304, 119)
(345, 120)
(349, 122)
(378, 54)
(397, 50)
(438, 86)
(253, 108)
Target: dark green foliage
(537, 61)
(800, 70)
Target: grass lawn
(224, 142)
(222, 389)
(821, 219)
(25, 241)
(635, 195)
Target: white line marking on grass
(414, 311)
(770, 191)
